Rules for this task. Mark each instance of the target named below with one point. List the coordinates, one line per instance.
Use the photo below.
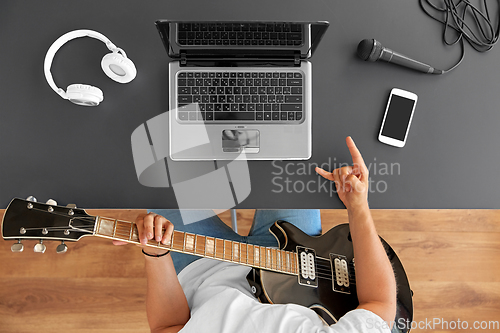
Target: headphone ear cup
(119, 68)
(84, 94)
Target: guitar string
(323, 270)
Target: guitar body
(272, 287)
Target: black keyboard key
(209, 116)
(283, 115)
(294, 82)
(185, 99)
(291, 115)
(296, 90)
(184, 90)
(293, 99)
(234, 116)
(267, 115)
(298, 115)
(294, 36)
(276, 115)
(291, 107)
(184, 26)
(183, 115)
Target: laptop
(240, 88)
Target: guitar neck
(204, 246)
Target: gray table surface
(51, 148)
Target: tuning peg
(31, 198)
(62, 248)
(71, 206)
(51, 202)
(40, 247)
(17, 247)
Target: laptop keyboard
(250, 34)
(267, 96)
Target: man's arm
(375, 282)
(166, 305)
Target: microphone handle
(402, 60)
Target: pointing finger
(357, 159)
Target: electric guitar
(316, 272)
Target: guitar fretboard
(204, 246)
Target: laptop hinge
(183, 59)
(297, 59)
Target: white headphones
(116, 65)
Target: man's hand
(351, 182)
(166, 305)
(149, 226)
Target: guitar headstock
(25, 219)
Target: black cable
(462, 17)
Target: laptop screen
(237, 39)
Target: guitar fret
(256, 257)
(131, 231)
(236, 252)
(219, 247)
(194, 250)
(189, 242)
(122, 230)
(114, 227)
(199, 245)
(269, 258)
(278, 260)
(210, 247)
(250, 255)
(244, 253)
(263, 261)
(228, 253)
(106, 227)
(288, 268)
(178, 241)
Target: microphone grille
(365, 49)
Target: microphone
(372, 50)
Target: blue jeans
(204, 222)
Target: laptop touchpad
(241, 140)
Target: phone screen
(397, 118)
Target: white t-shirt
(221, 301)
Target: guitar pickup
(340, 273)
(307, 267)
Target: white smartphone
(397, 117)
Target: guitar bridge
(307, 267)
(340, 273)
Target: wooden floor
(452, 259)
